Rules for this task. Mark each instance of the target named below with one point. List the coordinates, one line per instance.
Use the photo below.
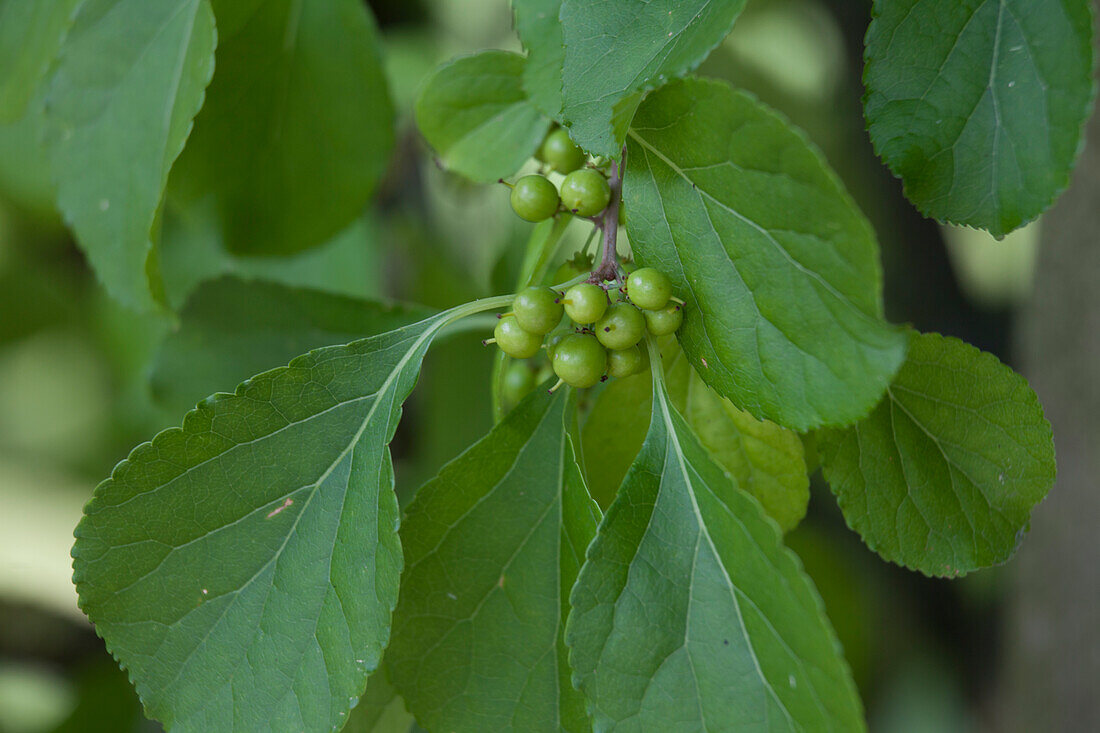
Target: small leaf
(779, 268)
(538, 27)
(130, 78)
(297, 129)
(243, 568)
(689, 614)
(30, 36)
(615, 49)
(232, 328)
(765, 460)
(943, 475)
(492, 546)
(475, 115)
(979, 106)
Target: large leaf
(978, 105)
(943, 475)
(492, 546)
(130, 78)
(689, 614)
(232, 328)
(243, 568)
(538, 27)
(779, 269)
(474, 113)
(380, 709)
(297, 127)
(617, 50)
(766, 460)
(30, 36)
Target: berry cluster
(588, 335)
(584, 191)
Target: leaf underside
(943, 475)
(979, 105)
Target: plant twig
(609, 260)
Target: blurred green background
(994, 651)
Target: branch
(609, 261)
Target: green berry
(665, 321)
(649, 288)
(579, 360)
(534, 198)
(552, 343)
(585, 192)
(585, 303)
(514, 341)
(578, 265)
(561, 153)
(537, 309)
(621, 327)
(624, 362)
(518, 381)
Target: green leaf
(613, 432)
(689, 614)
(297, 128)
(192, 249)
(243, 568)
(765, 460)
(31, 32)
(538, 27)
(979, 106)
(943, 475)
(779, 268)
(475, 115)
(615, 49)
(129, 80)
(232, 328)
(492, 546)
(380, 709)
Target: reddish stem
(609, 260)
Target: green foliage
(491, 592)
(616, 50)
(943, 475)
(538, 27)
(130, 79)
(689, 614)
(979, 106)
(244, 567)
(30, 36)
(475, 115)
(231, 329)
(779, 269)
(297, 127)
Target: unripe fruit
(578, 265)
(665, 321)
(624, 362)
(585, 303)
(621, 327)
(649, 288)
(518, 381)
(561, 153)
(585, 192)
(579, 360)
(537, 309)
(514, 341)
(534, 198)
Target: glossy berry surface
(519, 380)
(534, 198)
(664, 321)
(561, 153)
(585, 303)
(585, 192)
(625, 362)
(514, 341)
(537, 309)
(579, 360)
(621, 327)
(649, 288)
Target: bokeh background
(1015, 648)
